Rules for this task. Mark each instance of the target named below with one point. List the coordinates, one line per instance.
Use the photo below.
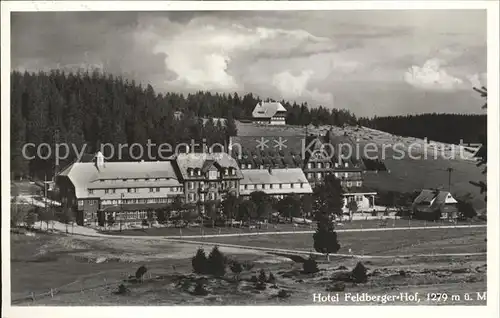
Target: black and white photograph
(249, 155)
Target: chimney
(99, 162)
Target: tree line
(92, 109)
(448, 128)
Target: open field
(429, 241)
(87, 270)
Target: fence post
(51, 293)
(33, 296)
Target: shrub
(122, 290)
(271, 279)
(140, 272)
(200, 262)
(336, 287)
(110, 220)
(145, 222)
(31, 219)
(359, 273)
(236, 267)
(216, 262)
(374, 213)
(260, 285)
(200, 289)
(262, 276)
(283, 294)
(248, 266)
(310, 266)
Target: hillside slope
(404, 174)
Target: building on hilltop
(274, 182)
(269, 113)
(434, 205)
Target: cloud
(301, 55)
(209, 55)
(431, 76)
(478, 80)
(296, 86)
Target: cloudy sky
(371, 62)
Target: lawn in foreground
(31, 272)
(428, 241)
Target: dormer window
(190, 172)
(226, 172)
(198, 172)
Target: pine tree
(216, 262)
(325, 237)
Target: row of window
(271, 186)
(193, 197)
(351, 183)
(212, 174)
(130, 215)
(327, 165)
(132, 179)
(357, 198)
(212, 185)
(320, 175)
(127, 201)
(135, 190)
(137, 201)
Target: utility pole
(56, 162)
(121, 211)
(449, 178)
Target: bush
(374, 213)
(359, 273)
(200, 290)
(216, 262)
(248, 265)
(145, 222)
(283, 294)
(260, 285)
(310, 266)
(200, 262)
(236, 267)
(31, 219)
(336, 287)
(262, 276)
(122, 290)
(271, 279)
(140, 272)
(110, 220)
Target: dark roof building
(435, 204)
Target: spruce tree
(325, 237)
